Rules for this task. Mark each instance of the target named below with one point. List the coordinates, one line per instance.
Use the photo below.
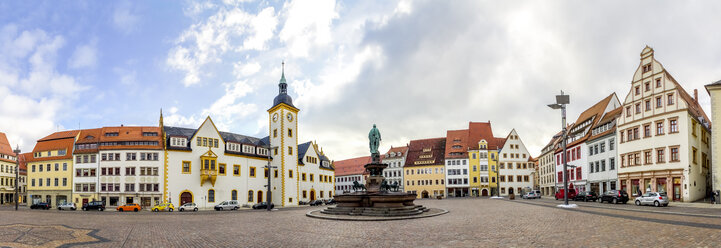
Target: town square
(330, 123)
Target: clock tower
(283, 136)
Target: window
(250, 196)
(290, 132)
(673, 126)
(130, 171)
(603, 147)
(658, 82)
(670, 99)
(647, 86)
(221, 169)
(302, 177)
(290, 173)
(659, 102)
(648, 105)
(290, 150)
(674, 154)
(131, 156)
(637, 90)
(252, 171)
(211, 195)
(275, 133)
(266, 173)
(659, 128)
(186, 167)
(628, 111)
(647, 130)
(647, 157)
(694, 154)
(611, 163)
(234, 195)
(236, 170)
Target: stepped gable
(353, 166)
(434, 156)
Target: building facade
(577, 146)
(424, 169)
(349, 171)
(456, 160)
(547, 167)
(8, 165)
(515, 166)
(130, 165)
(664, 136)
(85, 176)
(317, 177)
(602, 154)
(395, 158)
(50, 169)
(714, 90)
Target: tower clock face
(290, 117)
(275, 117)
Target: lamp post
(561, 101)
(270, 193)
(17, 174)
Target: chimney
(695, 95)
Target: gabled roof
(608, 117)
(437, 152)
(130, 134)
(54, 143)
(456, 144)
(353, 166)
(5, 147)
(402, 149)
(22, 160)
(693, 107)
(302, 150)
(496, 143)
(478, 131)
(593, 113)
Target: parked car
(316, 203)
(331, 202)
(302, 203)
(227, 205)
(614, 196)
(163, 207)
(263, 205)
(94, 205)
(531, 195)
(571, 194)
(129, 207)
(586, 196)
(652, 198)
(190, 206)
(40, 205)
(538, 192)
(67, 206)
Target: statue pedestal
(373, 184)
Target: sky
(414, 68)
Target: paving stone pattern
(471, 222)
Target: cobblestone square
(471, 222)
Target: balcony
(208, 175)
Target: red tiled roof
(5, 147)
(22, 159)
(478, 131)
(61, 135)
(611, 115)
(353, 166)
(131, 134)
(53, 144)
(456, 144)
(436, 154)
(497, 143)
(403, 150)
(596, 111)
(88, 136)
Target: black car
(263, 205)
(40, 205)
(614, 196)
(586, 196)
(316, 203)
(94, 205)
(330, 202)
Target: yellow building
(423, 172)
(50, 169)
(493, 163)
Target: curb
(318, 215)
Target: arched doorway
(186, 197)
(510, 191)
(424, 194)
(312, 195)
(260, 196)
(484, 192)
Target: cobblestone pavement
(472, 222)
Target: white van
(227, 205)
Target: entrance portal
(312, 195)
(424, 194)
(510, 191)
(185, 197)
(484, 192)
(260, 196)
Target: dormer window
(248, 149)
(150, 134)
(113, 134)
(178, 142)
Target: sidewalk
(695, 205)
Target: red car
(571, 194)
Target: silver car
(531, 195)
(227, 205)
(190, 206)
(67, 206)
(652, 198)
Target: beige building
(663, 135)
(547, 167)
(714, 90)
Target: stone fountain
(375, 200)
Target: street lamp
(561, 101)
(270, 193)
(17, 174)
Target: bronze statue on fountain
(379, 197)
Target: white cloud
(85, 56)
(176, 119)
(32, 91)
(229, 29)
(229, 108)
(246, 69)
(308, 25)
(124, 18)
